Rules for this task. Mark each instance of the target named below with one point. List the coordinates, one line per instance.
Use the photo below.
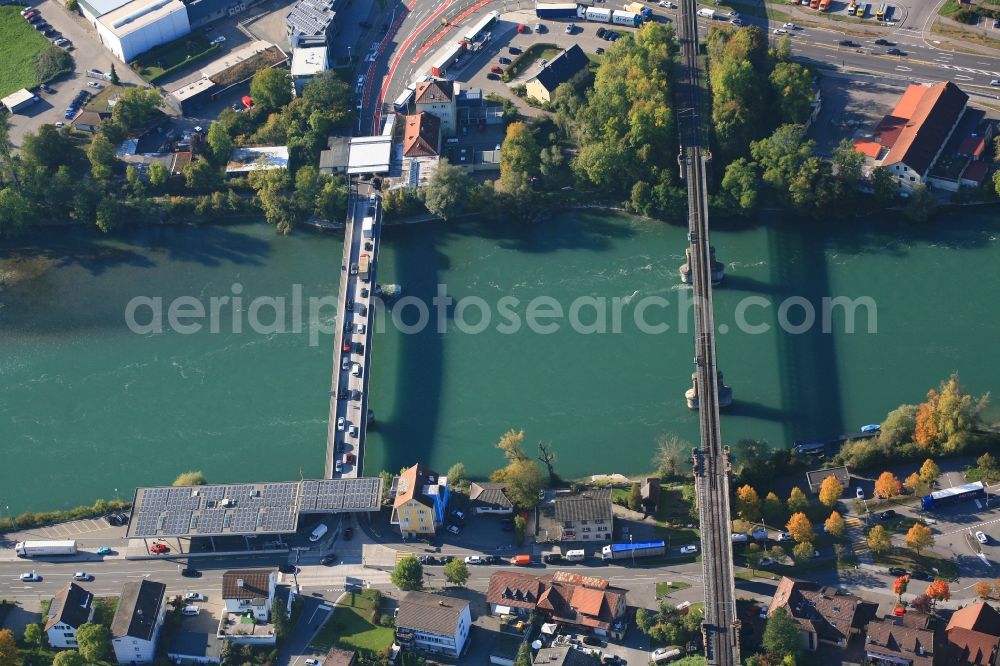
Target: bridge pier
(718, 268)
(725, 392)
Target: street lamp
(631, 549)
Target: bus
(880, 13)
(402, 102)
(966, 491)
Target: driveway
(88, 53)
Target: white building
(434, 624)
(140, 25)
(438, 98)
(70, 608)
(249, 590)
(307, 63)
(136, 626)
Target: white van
(576, 555)
(740, 537)
(190, 610)
(665, 655)
(318, 533)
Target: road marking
(903, 69)
(962, 77)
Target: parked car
(981, 537)
(190, 610)
(887, 515)
(763, 612)
(496, 69)
(159, 548)
(504, 61)
(104, 550)
(689, 549)
(493, 77)
(859, 493)
(26, 10)
(846, 42)
(195, 596)
(327, 560)
(312, 662)
(95, 85)
(995, 82)
(600, 50)
(897, 571)
(894, 51)
(513, 50)
(789, 26)
(42, 26)
(218, 40)
(188, 572)
(601, 32)
(880, 42)
(780, 31)
(82, 575)
(473, 559)
(348, 534)
(765, 562)
(593, 641)
(455, 529)
(920, 575)
(552, 558)
(287, 568)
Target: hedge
(32, 519)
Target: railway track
(720, 629)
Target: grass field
(19, 44)
(929, 562)
(349, 627)
(173, 55)
(970, 35)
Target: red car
(349, 458)
(347, 347)
(159, 548)
(521, 29)
(496, 70)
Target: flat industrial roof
(369, 154)
(245, 508)
(99, 8)
(309, 61)
(232, 58)
(17, 97)
(189, 90)
(139, 13)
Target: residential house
(580, 603)
(893, 642)
(909, 140)
(650, 493)
(87, 121)
(821, 614)
(439, 98)
(333, 160)
(973, 636)
(306, 63)
(195, 642)
(249, 591)
(487, 497)
(565, 656)
(584, 516)
(135, 629)
(421, 148)
(557, 71)
(70, 608)
(338, 657)
(420, 499)
(433, 623)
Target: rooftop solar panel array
(245, 508)
(310, 17)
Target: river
(90, 408)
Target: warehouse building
(140, 25)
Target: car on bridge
(30, 577)
(83, 575)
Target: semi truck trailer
(44, 548)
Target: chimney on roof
(239, 582)
(441, 603)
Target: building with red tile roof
(912, 137)
(422, 136)
(973, 636)
(821, 614)
(584, 603)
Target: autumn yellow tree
(929, 471)
(878, 539)
(830, 491)
(946, 420)
(797, 500)
(835, 525)
(800, 528)
(926, 432)
(996, 588)
(984, 589)
(915, 484)
(748, 503)
(8, 648)
(887, 485)
(938, 591)
(919, 537)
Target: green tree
(8, 648)
(271, 88)
(15, 212)
(8, 163)
(135, 107)
(93, 641)
(52, 62)
(448, 190)
(280, 619)
(996, 180)
(848, 163)
(878, 539)
(202, 176)
(929, 471)
(408, 574)
(115, 81)
(793, 91)
(510, 443)
(773, 509)
(102, 158)
(523, 656)
(219, 142)
(331, 202)
(753, 556)
(784, 50)
(456, 572)
(157, 175)
(741, 184)
(781, 156)
(271, 187)
(308, 185)
(898, 427)
(882, 184)
(802, 552)
(520, 528)
(68, 658)
(331, 94)
(33, 634)
(107, 215)
(781, 636)
(635, 498)
(47, 148)
(644, 620)
(456, 474)
(797, 500)
(519, 154)
(190, 479)
(523, 481)
(920, 206)
(813, 185)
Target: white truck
(368, 227)
(705, 12)
(44, 548)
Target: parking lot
(88, 53)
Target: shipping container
(598, 15)
(631, 19)
(557, 10)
